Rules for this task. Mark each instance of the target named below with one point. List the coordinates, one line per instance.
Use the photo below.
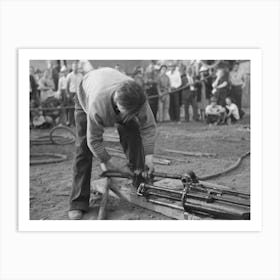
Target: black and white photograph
(139, 139)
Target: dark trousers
(215, 119)
(174, 106)
(189, 99)
(131, 142)
(236, 95)
(152, 91)
(71, 112)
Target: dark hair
(163, 66)
(131, 97)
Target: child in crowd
(232, 111)
(215, 114)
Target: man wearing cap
(215, 114)
(106, 98)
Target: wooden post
(104, 201)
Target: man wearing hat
(215, 114)
(106, 98)
(62, 87)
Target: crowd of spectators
(212, 91)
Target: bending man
(106, 98)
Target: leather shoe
(75, 214)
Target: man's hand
(114, 165)
(149, 163)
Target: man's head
(213, 101)
(228, 101)
(129, 99)
(75, 67)
(118, 67)
(235, 66)
(163, 69)
(84, 66)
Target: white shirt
(175, 78)
(74, 81)
(233, 109)
(62, 83)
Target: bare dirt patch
(50, 184)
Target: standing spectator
(33, 87)
(164, 98)
(190, 95)
(55, 74)
(232, 111)
(175, 83)
(138, 77)
(215, 114)
(237, 80)
(151, 86)
(205, 90)
(221, 86)
(46, 86)
(73, 81)
(62, 87)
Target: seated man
(107, 97)
(232, 111)
(215, 114)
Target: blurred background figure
(55, 73)
(237, 80)
(221, 86)
(175, 83)
(205, 90)
(73, 82)
(232, 112)
(62, 94)
(190, 94)
(138, 77)
(46, 86)
(151, 75)
(215, 114)
(33, 86)
(163, 86)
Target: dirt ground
(50, 184)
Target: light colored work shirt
(62, 83)
(74, 81)
(233, 109)
(95, 97)
(214, 110)
(175, 78)
(236, 78)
